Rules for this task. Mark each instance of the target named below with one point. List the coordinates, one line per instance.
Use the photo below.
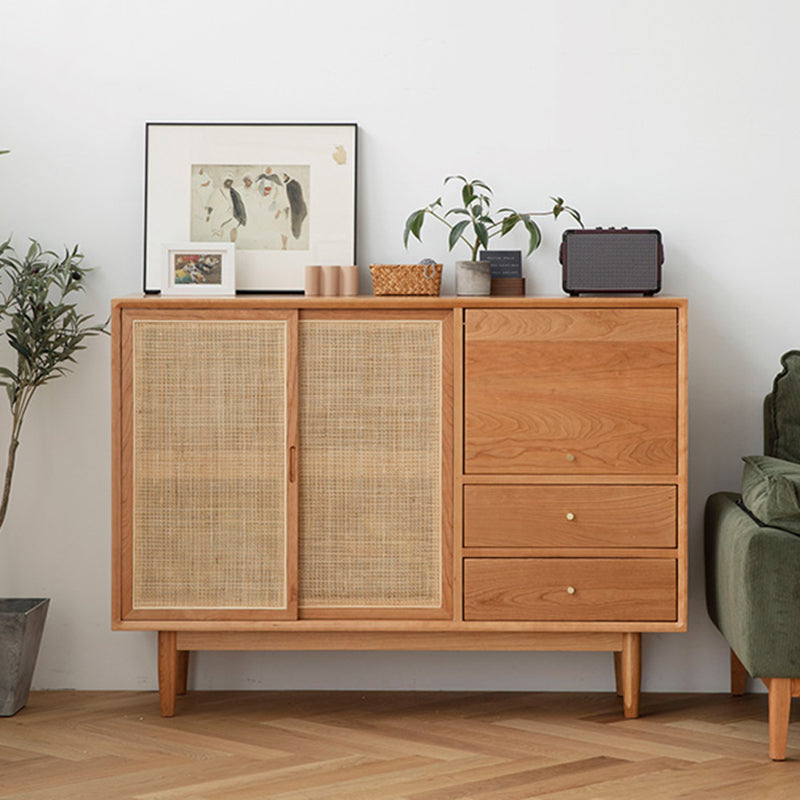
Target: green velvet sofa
(752, 559)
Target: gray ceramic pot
(473, 278)
(21, 626)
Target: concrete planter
(473, 278)
(21, 626)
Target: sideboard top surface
(393, 302)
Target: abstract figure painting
(282, 195)
(259, 207)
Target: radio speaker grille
(605, 262)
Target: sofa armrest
(753, 588)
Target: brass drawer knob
(570, 590)
(570, 456)
(570, 516)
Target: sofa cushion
(771, 491)
(752, 590)
(784, 422)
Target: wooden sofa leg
(780, 702)
(738, 676)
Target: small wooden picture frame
(199, 268)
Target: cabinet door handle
(570, 456)
(570, 590)
(292, 464)
(570, 516)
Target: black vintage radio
(612, 260)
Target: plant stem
(526, 214)
(474, 247)
(18, 410)
(442, 219)
(12, 452)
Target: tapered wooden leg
(631, 662)
(183, 671)
(618, 672)
(167, 671)
(780, 702)
(738, 675)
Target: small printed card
(505, 263)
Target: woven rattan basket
(406, 278)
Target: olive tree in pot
(45, 331)
(472, 223)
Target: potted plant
(474, 225)
(45, 331)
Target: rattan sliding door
(210, 532)
(374, 464)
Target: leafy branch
(476, 226)
(42, 325)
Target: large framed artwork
(283, 194)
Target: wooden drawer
(570, 516)
(570, 589)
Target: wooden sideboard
(399, 473)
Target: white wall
(675, 114)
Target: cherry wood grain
(569, 589)
(631, 673)
(550, 406)
(477, 636)
(574, 515)
(168, 668)
(571, 391)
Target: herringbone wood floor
(373, 746)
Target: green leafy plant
(43, 327)
(477, 226)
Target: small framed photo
(199, 268)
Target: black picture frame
(296, 204)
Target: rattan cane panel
(209, 465)
(370, 464)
